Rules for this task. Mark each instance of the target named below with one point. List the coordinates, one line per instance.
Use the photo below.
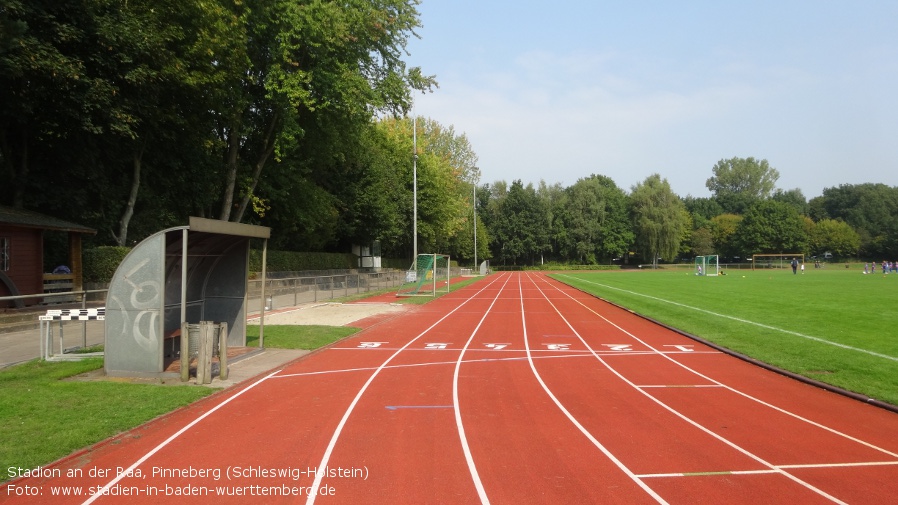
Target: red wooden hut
(22, 254)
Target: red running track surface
(517, 389)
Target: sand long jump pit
(333, 314)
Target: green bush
(397, 263)
(100, 263)
(287, 261)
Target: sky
(558, 90)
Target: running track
(515, 390)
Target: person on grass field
(794, 266)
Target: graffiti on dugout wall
(138, 304)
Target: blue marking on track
(396, 407)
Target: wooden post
(262, 301)
(223, 351)
(75, 261)
(204, 360)
(185, 352)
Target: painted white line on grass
(129, 471)
(674, 411)
(730, 388)
(740, 320)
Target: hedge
(287, 261)
(100, 263)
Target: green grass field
(45, 417)
(306, 337)
(833, 325)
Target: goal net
(427, 276)
(707, 265)
(759, 261)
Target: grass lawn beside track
(776, 316)
(44, 417)
(308, 337)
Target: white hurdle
(46, 327)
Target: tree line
(130, 116)
(595, 222)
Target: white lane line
(682, 416)
(770, 471)
(313, 490)
(650, 386)
(734, 390)
(475, 476)
(570, 417)
(429, 363)
(129, 471)
(546, 351)
(740, 320)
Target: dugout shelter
(192, 273)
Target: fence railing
(279, 292)
(292, 291)
(68, 297)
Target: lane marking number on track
(619, 347)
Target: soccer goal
(427, 276)
(759, 261)
(707, 265)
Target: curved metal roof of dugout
(187, 274)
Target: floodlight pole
(475, 225)
(415, 191)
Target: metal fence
(292, 291)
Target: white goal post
(783, 260)
(707, 265)
(428, 275)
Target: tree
(595, 221)
(870, 209)
(295, 58)
(554, 199)
(738, 183)
(702, 210)
(771, 227)
(702, 242)
(518, 229)
(723, 232)
(657, 217)
(584, 216)
(834, 236)
(152, 57)
(817, 208)
(793, 197)
(45, 96)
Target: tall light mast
(475, 226)
(415, 191)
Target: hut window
(4, 254)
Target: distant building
(22, 253)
